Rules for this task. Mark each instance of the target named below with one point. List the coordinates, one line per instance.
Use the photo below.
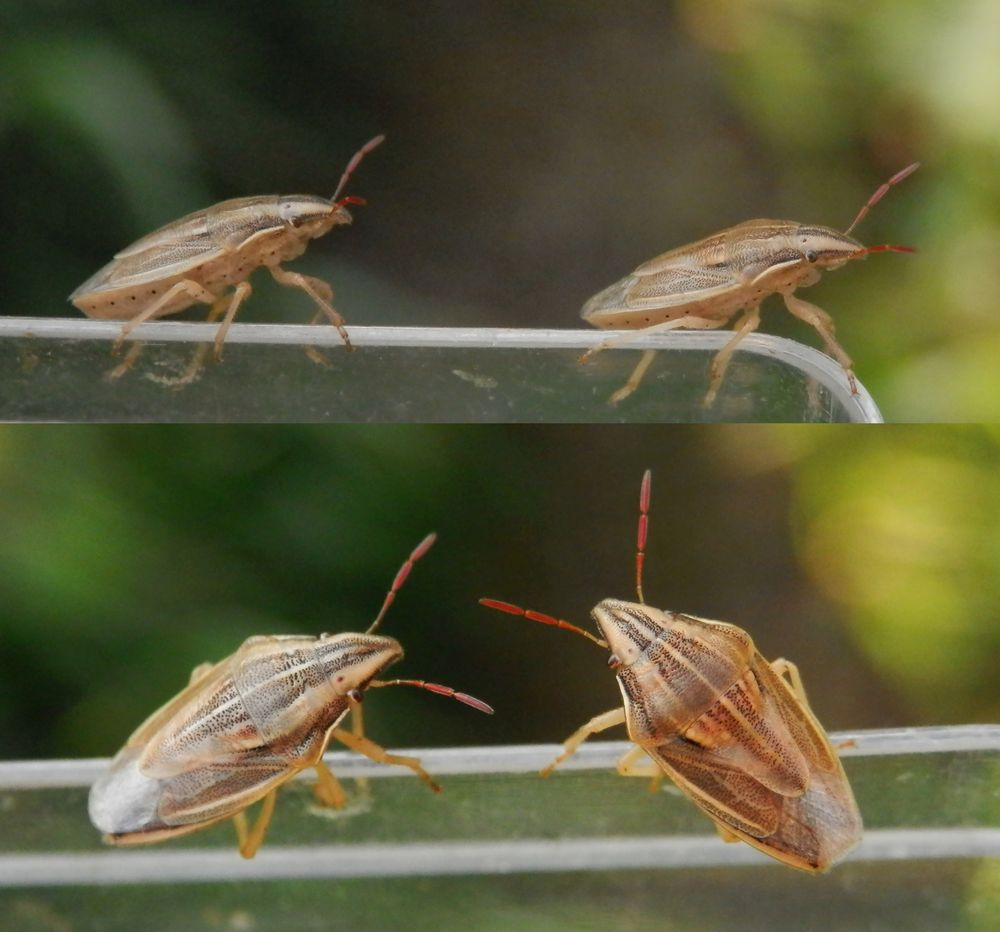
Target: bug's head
(823, 248)
(311, 216)
(351, 661)
(630, 628)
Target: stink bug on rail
(246, 725)
(195, 259)
(702, 286)
(732, 730)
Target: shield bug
(246, 725)
(197, 258)
(732, 730)
(704, 285)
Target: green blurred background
(536, 153)
(131, 554)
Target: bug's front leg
(749, 322)
(328, 791)
(789, 671)
(319, 291)
(380, 755)
(597, 724)
(250, 841)
(823, 323)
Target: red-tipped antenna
(884, 247)
(355, 160)
(539, 617)
(876, 197)
(397, 583)
(477, 704)
(640, 544)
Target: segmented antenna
(353, 164)
(477, 704)
(543, 619)
(875, 198)
(397, 583)
(640, 552)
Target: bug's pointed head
(825, 248)
(311, 216)
(829, 249)
(351, 661)
(628, 627)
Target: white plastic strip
(811, 362)
(528, 758)
(428, 859)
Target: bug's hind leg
(319, 291)
(680, 323)
(823, 323)
(749, 322)
(193, 290)
(597, 724)
(636, 763)
(192, 372)
(250, 841)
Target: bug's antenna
(884, 247)
(640, 553)
(877, 196)
(539, 617)
(477, 704)
(397, 583)
(355, 160)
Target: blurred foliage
(131, 554)
(536, 153)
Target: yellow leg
(319, 291)
(790, 672)
(597, 724)
(823, 323)
(747, 324)
(636, 763)
(725, 834)
(328, 791)
(634, 379)
(358, 730)
(197, 362)
(131, 358)
(678, 323)
(239, 295)
(192, 288)
(250, 841)
(380, 755)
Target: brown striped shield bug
(732, 730)
(197, 258)
(704, 285)
(246, 725)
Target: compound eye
(355, 695)
(614, 662)
(811, 255)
